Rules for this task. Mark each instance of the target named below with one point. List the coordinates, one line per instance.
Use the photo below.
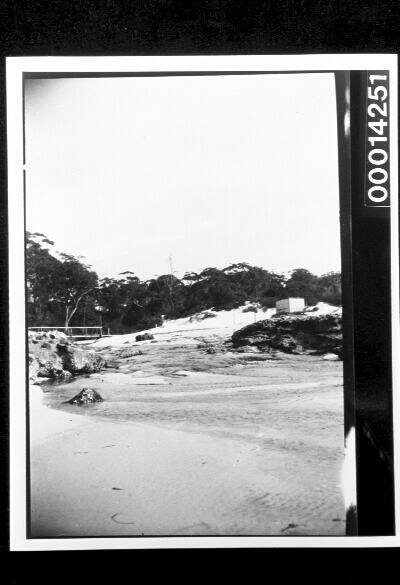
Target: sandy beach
(182, 291)
(255, 448)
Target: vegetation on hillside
(64, 291)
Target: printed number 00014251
(377, 143)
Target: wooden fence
(82, 332)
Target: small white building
(290, 305)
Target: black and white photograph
(182, 285)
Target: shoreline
(96, 477)
(46, 422)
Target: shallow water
(285, 413)
(224, 393)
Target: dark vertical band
(371, 285)
(342, 80)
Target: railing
(86, 332)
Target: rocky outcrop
(293, 334)
(53, 355)
(85, 396)
(80, 361)
(128, 352)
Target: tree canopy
(63, 290)
(56, 286)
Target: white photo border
(16, 68)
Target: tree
(330, 288)
(57, 283)
(168, 293)
(75, 282)
(41, 274)
(62, 287)
(302, 283)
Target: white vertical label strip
(16, 306)
(395, 287)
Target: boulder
(250, 309)
(80, 361)
(85, 396)
(144, 337)
(53, 355)
(50, 369)
(44, 360)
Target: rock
(112, 364)
(126, 352)
(201, 316)
(44, 360)
(144, 337)
(81, 361)
(250, 309)
(207, 315)
(33, 368)
(331, 357)
(85, 396)
(49, 369)
(211, 350)
(56, 357)
(293, 334)
(247, 349)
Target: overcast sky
(210, 170)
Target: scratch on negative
(290, 526)
(113, 518)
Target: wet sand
(188, 443)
